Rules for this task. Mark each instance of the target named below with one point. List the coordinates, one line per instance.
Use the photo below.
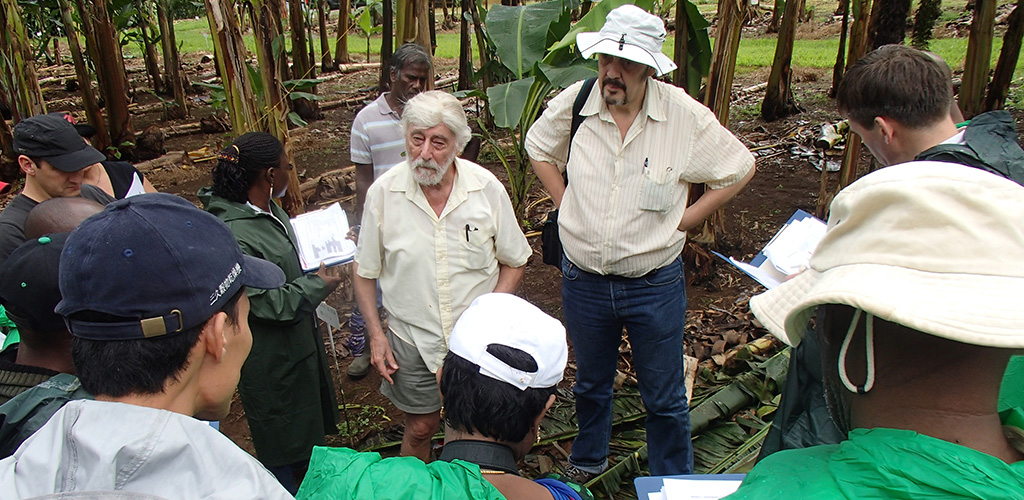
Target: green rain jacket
(286, 385)
(344, 474)
(885, 463)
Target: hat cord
(869, 345)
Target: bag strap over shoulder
(577, 108)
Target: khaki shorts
(415, 389)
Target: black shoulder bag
(551, 245)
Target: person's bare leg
(418, 431)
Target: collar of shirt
(461, 187)
(383, 106)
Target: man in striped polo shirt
(623, 222)
(377, 144)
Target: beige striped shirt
(625, 198)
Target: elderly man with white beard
(437, 231)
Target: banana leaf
(593, 22)
(520, 33)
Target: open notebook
(321, 237)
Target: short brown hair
(897, 82)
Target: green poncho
(884, 463)
(344, 474)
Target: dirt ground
(786, 181)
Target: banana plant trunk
(115, 85)
(326, 61)
(231, 56)
(387, 40)
(979, 50)
(680, 77)
(275, 108)
(149, 49)
(92, 108)
(778, 97)
(302, 66)
(732, 16)
(1000, 86)
(341, 55)
(14, 42)
(172, 64)
(465, 46)
(837, 69)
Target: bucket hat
(631, 33)
(935, 247)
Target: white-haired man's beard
(428, 172)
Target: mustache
(614, 83)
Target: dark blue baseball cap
(156, 261)
(28, 284)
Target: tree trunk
(423, 38)
(681, 77)
(485, 57)
(14, 42)
(890, 25)
(386, 47)
(773, 24)
(231, 65)
(56, 52)
(341, 55)
(1000, 85)
(265, 31)
(326, 61)
(465, 47)
(979, 51)
(778, 97)
(924, 22)
(172, 65)
(851, 155)
(837, 70)
(732, 15)
(405, 22)
(149, 50)
(115, 85)
(93, 115)
(302, 67)
(432, 22)
(90, 40)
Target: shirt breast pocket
(659, 190)
(476, 246)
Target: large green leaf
(520, 33)
(508, 100)
(563, 77)
(595, 19)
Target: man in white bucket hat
(920, 277)
(640, 145)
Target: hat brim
(262, 274)
(967, 308)
(76, 160)
(591, 43)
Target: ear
(885, 127)
(539, 418)
(214, 334)
(26, 165)
(270, 175)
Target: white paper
(790, 250)
(321, 236)
(691, 489)
(656, 495)
(766, 275)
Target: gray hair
(409, 54)
(435, 107)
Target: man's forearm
(366, 299)
(551, 179)
(711, 200)
(509, 278)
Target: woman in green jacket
(286, 385)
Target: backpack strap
(577, 108)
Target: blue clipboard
(652, 484)
(759, 260)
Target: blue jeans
(652, 308)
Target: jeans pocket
(667, 275)
(569, 270)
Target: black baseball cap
(83, 129)
(28, 284)
(157, 260)
(55, 140)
